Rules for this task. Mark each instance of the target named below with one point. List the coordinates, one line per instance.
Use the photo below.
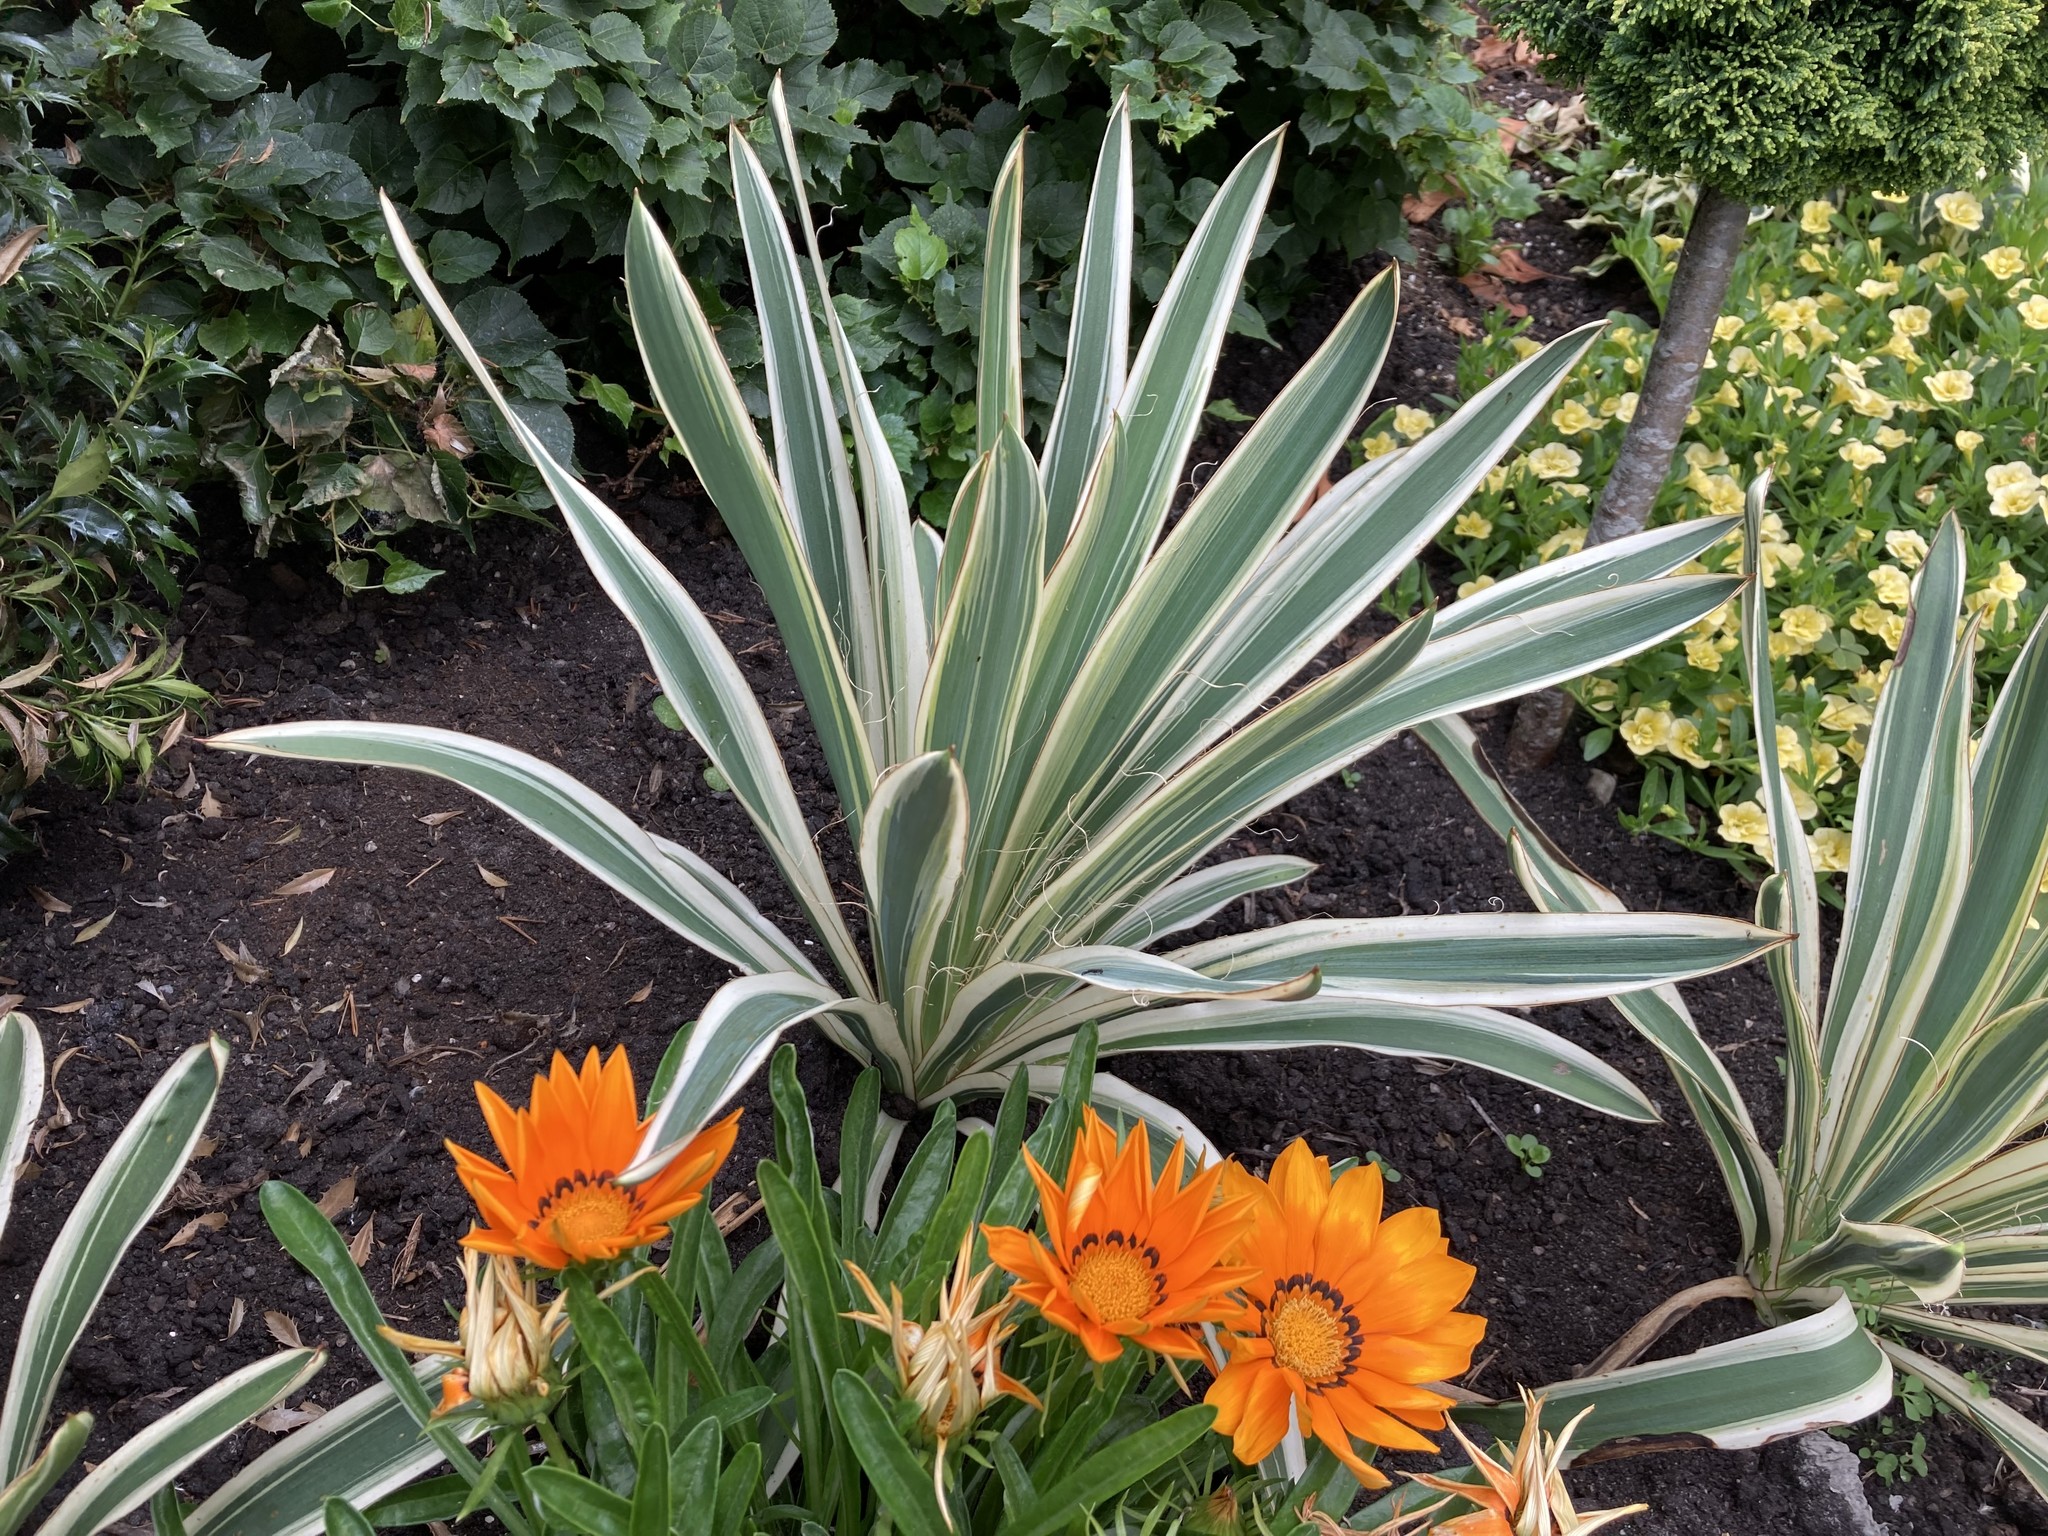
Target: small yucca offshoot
(1039, 724)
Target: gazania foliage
(1039, 724)
(1913, 1179)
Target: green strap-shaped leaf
(900, 1481)
(1821, 1370)
(151, 1458)
(817, 487)
(703, 405)
(1194, 898)
(2001, 1193)
(698, 675)
(2007, 1271)
(123, 1193)
(1620, 562)
(903, 627)
(365, 1448)
(19, 1498)
(21, 1098)
(999, 375)
(660, 877)
(1895, 1263)
(913, 848)
(735, 1034)
(1098, 334)
(573, 1501)
(1107, 1473)
(341, 1518)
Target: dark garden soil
(444, 950)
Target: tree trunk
(1670, 384)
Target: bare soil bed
(450, 948)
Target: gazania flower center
(1312, 1331)
(587, 1213)
(1115, 1279)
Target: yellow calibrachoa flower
(1354, 1314)
(1893, 586)
(1126, 1256)
(1876, 288)
(1861, 455)
(1553, 461)
(1728, 327)
(2005, 262)
(1745, 824)
(1830, 849)
(1906, 547)
(2005, 586)
(1476, 584)
(1412, 423)
(1889, 438)
(1960, 209)
(1827, 763)
(2034, 311)
(1702, 652)
(1804, 627)
(1379, 445)
(1912, 319)
(1623, 405)
(1951, 386)
(1526, 347)
(1685, 742)
(1647, 730)
(1841, 713)
(1817, 216)
(1572, 418)
(1472, 525)
(1968, 442)
(558, 1200)
(1791, 750)
(1566, 541)
(2015, 488)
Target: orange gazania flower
(1354, 1313)
(557, 1201)
(1125, 1256)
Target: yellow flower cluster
(1885, 379)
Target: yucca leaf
(913, 848)
(810, 462)
(660, 877)
(1098, 334)
(703, 405)
(1638, 557)
(28, 1488)
(999, 374)
(149, 1459)
(21, 1099)
(2005, 1192)
(1200, 895)
(2021, 1339)
(2018, 1436)
(124, 1192)
(2009, 1270)
(362, 1450)
(1891, 1262)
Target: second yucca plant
(1041, 723)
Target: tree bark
(1671, 382)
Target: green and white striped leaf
(912, 850)
(999, 373)
(21, 1099)
(365, 1448)
(1821, 1370)
(1197, 897)
(1896, 1263)
(2004, 1425)
(123, 1193)
(1098, 334)
(697, 393)
(1620, 562)
(810, 462)
(660, 877)
(2023, 1340)
(151, 1458)
(1477, 1037)
(735, 1035)
(2006, 1270)
(699, 677)
(1490, 959)
(20, 1497)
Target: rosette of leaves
(246, 221)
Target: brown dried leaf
(284, 1328)
(1507, 262)
(446, 433)
(365, 1239)
(402, 1270)
(311, 881)
(339, 1197)
(15, 248)
(78, 1007)
(496, 882)
(298, 933)
(56, 906)
(641, 996)
(434, 821)
(1488, 290)
(1421, 207)
(248, 969)
(209, 808)
(282, 1420)
(212, 1221)
(92, 931)
(237, 1314)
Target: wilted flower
(1960, 209)
(1951, 386)
(505, 1343)
(558, 1201)
(1355, 1314)
(1524, 1492)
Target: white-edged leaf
(2005, 1426)
(1196, 897)
(913, 847)
(21, 1098)
(999, 372)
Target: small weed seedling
(1529, 1152)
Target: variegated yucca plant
(106, 1217)
(1913, 1179)
(1041, 724)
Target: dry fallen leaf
(1486, 288)
(290, 837)
(299, 932)
(209, 808)
(434, 821)
(1507, 262)
(205, 1147)
(236, 1314)
(339, 1197)
(78, 1007)
(212, 1221)
(282, 1421)
(311, 881)
(92, 931)
(360, 1245)
(495, 881)
(56, 906)
(9, 1001)
(402, 1271)
(248, 969)
(641, 996)
(283, 1328)
(1421, 207)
